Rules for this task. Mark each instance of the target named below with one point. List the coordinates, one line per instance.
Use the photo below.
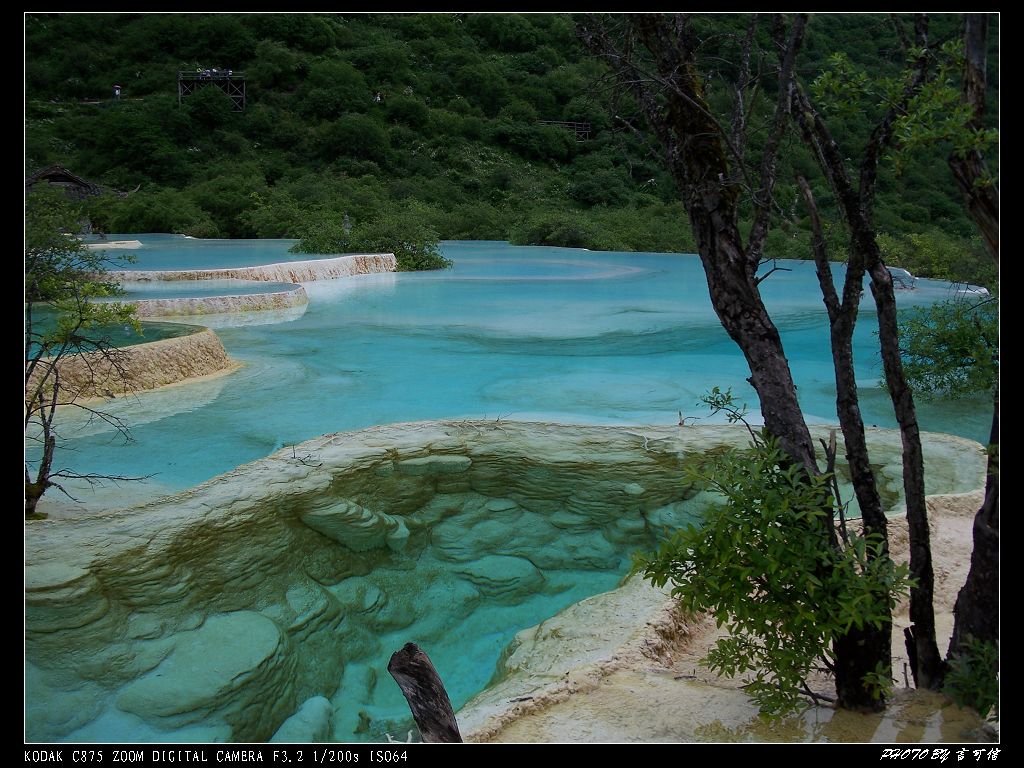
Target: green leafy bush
(973, 678)
(405, 233)
(762, 564)
(951, 349)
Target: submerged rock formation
(210, 674)
(311, 724)
(283, 272)
(141, 366)
(230, 611)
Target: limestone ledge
(575, 651)
(283, 272)
(216, 305)
(517, 459)
(627, 666)
(140, 367)
(275, 560)
(115, 245)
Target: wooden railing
(212, 74)
(228, 80)
(581, 130)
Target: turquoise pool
(120, 335)
(511, 332)
(508, 333)
(198, 289)
(160, 251)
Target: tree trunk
(670, 94)
(34, 491)
(742, 313)
(696, 156)
(855, 206)
(972, 178)
(856, 655)
(858, 648)
(423, 689)
(930, 666)
(976, 613)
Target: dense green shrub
(761, 563)
(403, 232)
(951, 349)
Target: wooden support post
(423, 689)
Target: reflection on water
(912, 717)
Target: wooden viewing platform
(228, 80)
(581, 130)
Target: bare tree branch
(740, 108)
(763, 196)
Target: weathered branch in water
(423, 690)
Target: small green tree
(62, 320)
(761, 563)
(405, 233)
(951, 349)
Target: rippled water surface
(510, 332)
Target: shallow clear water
(44, 320)
(160, 251)
(509, 332)
(193, 289)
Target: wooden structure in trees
(229, 81)
(59, 177)
(580, 130)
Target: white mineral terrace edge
(265, 602)
(216, 305)
(142, 367)
(282, 302)
(117, 245)
(282, 272)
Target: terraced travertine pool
(510, 333)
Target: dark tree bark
(855, 205)
(46, 405)
(34, 490)
(698, 152)
(969, 170)
(976, 613)
(423, 689)
(930, 666)
(859, 647)
(695, 147)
